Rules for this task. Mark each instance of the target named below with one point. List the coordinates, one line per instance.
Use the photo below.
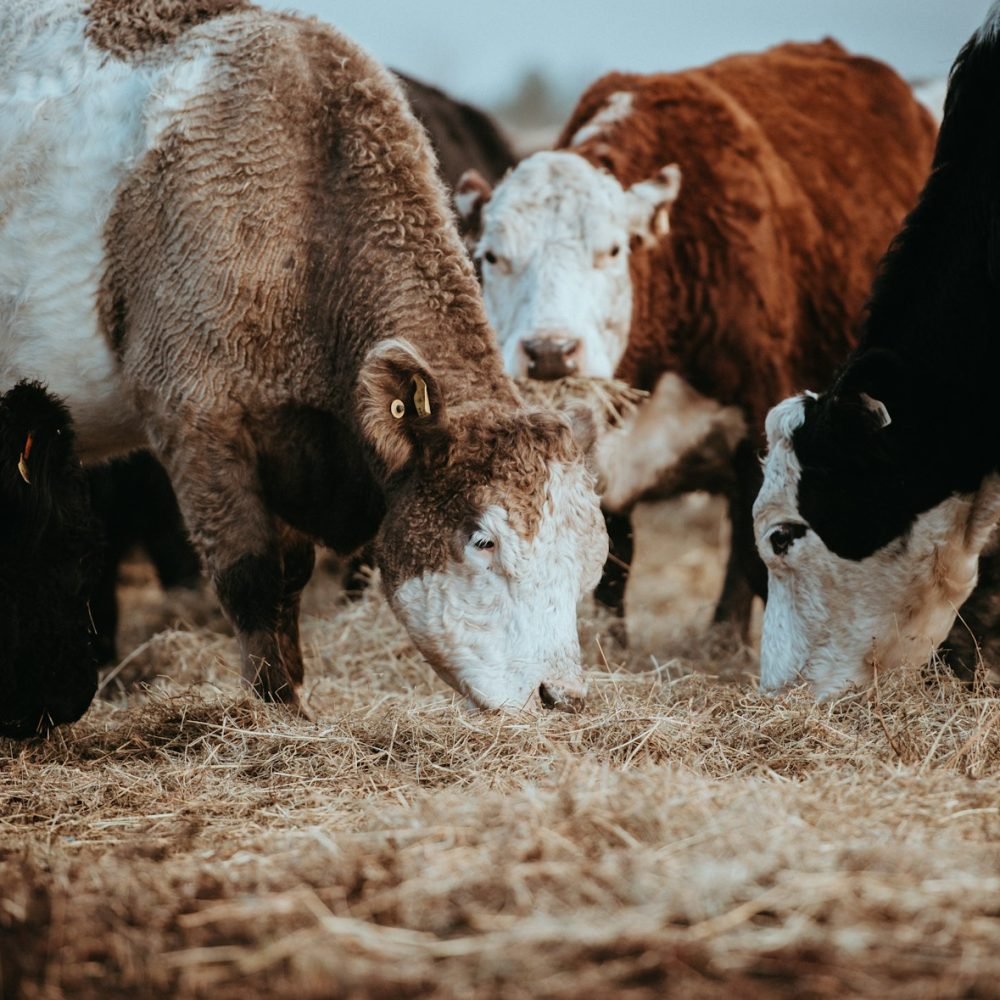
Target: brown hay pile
(683, 836)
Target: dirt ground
(682, 836)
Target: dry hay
(610, 401)
(682, 836)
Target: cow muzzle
(551, 357)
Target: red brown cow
(720, 225)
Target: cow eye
(483, 544)
(490, 257)
(604, 257)
(784, 536)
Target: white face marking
(501, 621)
(73, 121)
(675, 425)
(616, 109)
(555, 258)
(829, 620)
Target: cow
(719, 226)
(880, 493)
(225, 240)
(463, 136)
(132, 495)
(50, 553)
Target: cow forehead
(555, 196)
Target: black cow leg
(611, 590)
(746, 574)
(735, 604)
(298, 559)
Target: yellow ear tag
(398, 409)
(421, 399)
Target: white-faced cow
(720, 225)
(132, 495)
(50, 552)
(880, 493)
(222, 236)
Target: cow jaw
(499, 624)
(831, 621)
(554, 254)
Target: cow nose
(551, 357)
(782, 537)
(563, 697)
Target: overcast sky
(479, 50)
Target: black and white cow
(880, 493)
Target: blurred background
(528, 60)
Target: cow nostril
(554, 698)
(782, 537)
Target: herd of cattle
(229, 239)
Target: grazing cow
(50, 546)
(880, 493)
(133, 496)
(225, 239)
(741, 282)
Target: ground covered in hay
(683, 836)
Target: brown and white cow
(718, 226)
(222, 236)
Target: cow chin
(498, 653)
(831, 621)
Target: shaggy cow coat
(133, 497)
(232, 246)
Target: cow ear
(649, 204)
(583, 426)
(472, 192)
(401, 407)
(878, 408)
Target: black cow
(50, 550)
(880, 493)
(463, 136)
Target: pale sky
(479, 50)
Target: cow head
(553, 251)
(492, 533)
(49, 557)
(861, 572)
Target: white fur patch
(497, 628)
(829, 620)
(641, 458)
(616, 109)
(73, 122)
